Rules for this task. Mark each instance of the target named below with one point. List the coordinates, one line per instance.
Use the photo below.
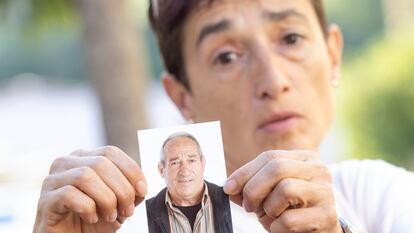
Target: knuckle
(78, 152)
(249, 192)
(328, 190)
(110, 150)
(48, 183)
(313, 154)
(285, 189)
(42, 204)
(127, 196)
(322, 171)
(87, 208)
(110, 202)
(100, 163)
(66, 193)
(57, 164)
(83, 175)
(241, 174)
(270, 155)
(288, 222)
(331, 215)
(133, 168)
(276, 168)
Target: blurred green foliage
(55, 55)
(376, 96)
(377, 100)
(41, 37)
(37, 16)
(360, 21)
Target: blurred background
(85, 73)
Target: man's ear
(203, 162)
(181, 97)
(335, 47)
(161, 169)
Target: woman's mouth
(279, 123)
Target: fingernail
(113, 216)
(130, 210)
(230, 186)
(246, 207)
(141, 188)
(94, 219)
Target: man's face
(264, 69)
(183, 169)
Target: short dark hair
(168, 26)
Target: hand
(90, 191)
(290, 191)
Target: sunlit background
(84, 73)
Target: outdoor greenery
(377, 100)
(358, 24)
(376, 97)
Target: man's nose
(270, 75)
(184, 168)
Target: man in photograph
(267, 70)
(188, 203)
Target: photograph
(185, 171)
(206, 116)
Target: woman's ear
(180, 95)
(335, 47)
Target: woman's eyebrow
(213, 28)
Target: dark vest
(157, 214)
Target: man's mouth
(184, 181)
(279, 122)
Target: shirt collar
(204, 199)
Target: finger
(238, 199)
(264, 219)
(296, 193)
(111, 176)
(138, 200)
(69, 199)
(121, 219)
(263, 182)
(126, 165)
(314, 219)
(87, 181)
(238, 179)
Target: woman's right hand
(90, 191)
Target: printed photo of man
(188, 203)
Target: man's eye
(225, 58)
(292, 39)
(174, 163)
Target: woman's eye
(292, 39)
(225, 58)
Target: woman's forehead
(236, 11)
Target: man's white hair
(179, 135)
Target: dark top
(190, 213)
(157, 214)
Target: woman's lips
(279, 123)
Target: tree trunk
(116, 69)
